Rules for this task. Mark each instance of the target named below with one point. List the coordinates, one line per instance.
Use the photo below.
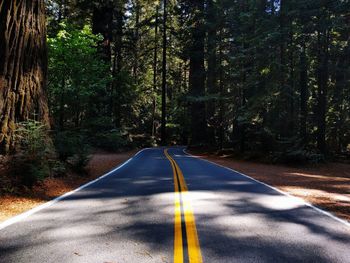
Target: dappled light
(326, 185)
(102, 103)
(131, 213)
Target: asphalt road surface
(166, 206)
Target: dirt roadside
(100, 163)
(326, 185)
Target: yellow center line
(194, 252)
(178, 244)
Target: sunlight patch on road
(277, 202)
(77, 231)
(207, 202)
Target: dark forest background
(266, 79)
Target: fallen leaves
(13, 204)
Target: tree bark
(164, 73)
(197, 74)
(23, 67)
(117, 65)
(212, 67)
(303, 94)
(102, 23)
(322, 83)
(155, 72)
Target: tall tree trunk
(338, 101)
(102, 23)
(135, 68)
(291, 122)
(117, 65)
(23, 67)
(212, 67)
(155, 71)
(303, 94)
(221, 132)
(322, 82)
(164, 73)
(197, 74)
(282, 67)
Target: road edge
(22, 216)
(298, 199)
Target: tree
(23, 68)
(197, 73)
(261, 77)
(164, 74)
(212, 27)
(155, 71)
(73, 86)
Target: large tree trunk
(155, 72)
(23, 67)
(102, 23)
(322, 83)
(303, 94)
(115, 109)
(197, 74)
(212, 22)
(164, 74)
(283, 25)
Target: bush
(110, 141)
(142, 141)
(300, 157)
(58, 168)
(80, 159)
(73, 149)
(31, 163)
(67, 144)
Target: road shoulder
(51, 188)
(325, 186)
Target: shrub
(67, 144)
(80, 159)
(299, 156)
(73, 149)
(31, 163)
(110, 141)
(58, 168)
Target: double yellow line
(183, 207)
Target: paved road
(130, 216)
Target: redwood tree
(197, 74)
(23, 67)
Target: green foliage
(68, 143)
(265, 63)
(32, 163)
(58, 168)
(77, 76)
(299, 157)
(113, 141)
(79, 160)
(72, 148)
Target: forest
(265, 79)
